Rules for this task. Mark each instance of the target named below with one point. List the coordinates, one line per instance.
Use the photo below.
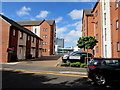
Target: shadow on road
(45, 58)
(12, 79)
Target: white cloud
(76, 14)
(42, 14)
(58, 19)
(23, 11)
(60, 30)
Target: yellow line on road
(45, 73)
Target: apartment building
(18, 43)
(106, 28)
(115, 27)
(87, 24)
(46, 29)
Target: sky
(67, 15)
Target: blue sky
(68, 16)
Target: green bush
(75, 64)
(83, 65)
(65, 64)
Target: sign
(10, 50)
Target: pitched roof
(21, 28)
(35, 23)
(88, 12)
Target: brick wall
(4, 41)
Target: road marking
(24, 71)
(73, 72)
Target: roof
(35, 22)
(88, 12)
(95, 5)
(21, 28)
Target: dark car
(104, 71)
(76, 56)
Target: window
(96, 13)
(105, 50)
(104, 5)
(117, 24)
(118, 46)
(97, 49)
(105, 34)
(116, 3)
(46, 43)
(96, 25)
(32, 39)
(97, 36)
(35, 30)
(14, 32)
(45, 29)
(28, 37)
(45, 36)
(105, 18)
(21, 35)
(44, 50)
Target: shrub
(83, 65)
(72, 64)
(65, 64)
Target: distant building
(75, 48)
(46, 30)
(59, 44)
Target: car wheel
(100, 79)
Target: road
(44, 74)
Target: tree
(87, 42)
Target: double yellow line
(24, 71)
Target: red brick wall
(88, 28)
(115, 33)
(28, 47)
(119, 27)
(37, 47)
(13, 43)
(98, 47)
(48, 33)
(4, 41)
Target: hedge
(75, 64)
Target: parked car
(104, 71)
(76, 56)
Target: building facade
(18, 43)
(59, 44)
(46, 30)
(106, 23)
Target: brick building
(87, 24)
(17, 42)
(45, 29)
(106, 28)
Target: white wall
(37, 30)
(106, 9)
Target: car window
(111, 62)
(75, 54)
